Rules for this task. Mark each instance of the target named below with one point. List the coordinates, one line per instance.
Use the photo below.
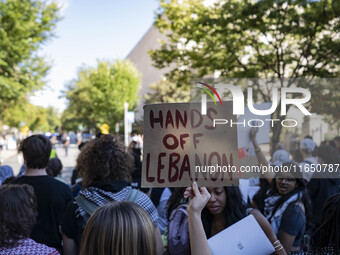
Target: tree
(37, 118)
(165, 91)
(97, 96)
(256, 39)
(24, 26)
(328, 102)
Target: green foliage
(250, 39)
(97, 96)
(24, 26)
(327, 101)
(37, 118)
(258, 39)
(165, 91)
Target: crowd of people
(102, 213)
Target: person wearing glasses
(287, 207)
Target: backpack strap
(88, 206)
(181, 208)
(133, 195)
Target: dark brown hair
(300, 189)
(54, 167)
(104, 159)
(17, 214)
(328, 154)
(234, 211)
(175, 200)
(330, 225)
(119, 228)
(36, 150)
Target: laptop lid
(245, 237)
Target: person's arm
(198, 240)
(286, 240)
(254, 205)
(259, 154)
(70, 247)
(268, 230)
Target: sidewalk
(5, 155)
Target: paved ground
(12, 158)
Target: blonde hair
(119, 228)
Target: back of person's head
(330, 225)
(327, 154)
(54, 167)
(337, 141)
(132, 144)
(104, 159)
(36, 150)
(307, 145)
(280, 156)
(17, 214)
(119, 228)
(332, 144)
(308, 137)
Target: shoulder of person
(301, 205)
(62, 187)
(294, 211)
(145, 202)
(17, 180)
(142, 197)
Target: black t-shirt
(52, 199)
(293, 222)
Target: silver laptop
(245, 237)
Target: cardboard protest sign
(247, 157)
(182, 145)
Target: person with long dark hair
(224, 208)
(218, 207)
(18, 205)
(287, 207)
(175, 200)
